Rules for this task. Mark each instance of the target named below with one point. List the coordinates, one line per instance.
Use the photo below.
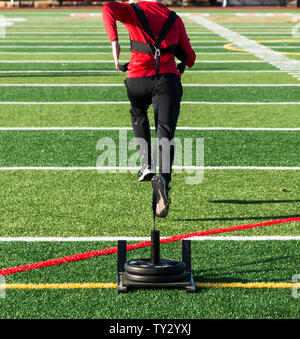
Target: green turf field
(60, 97)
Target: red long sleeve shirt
(141, 64)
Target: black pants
(165, 95)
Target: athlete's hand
(116, 49)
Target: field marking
(100, 32)
(116, 238)
(287, 26)
(114, 169)
(74, 47)
(30, 286)
(98, 41)
(248, 285)
(180, 128)
(122, 85)
(109, 53)
(68, 286)
(128, 103)
(123, 47)
(115, 71)
(227, 71)
(262, 52)
(112, 250)
(111, 61)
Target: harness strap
(162, 34)
(142, 47)
(154, 49)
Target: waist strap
(142, 47)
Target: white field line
(75, 47)
(265, 53)
(288, 26)
(128, 103)
(111, 61)
(180, 128)
(121, 85)
(116, 238)
(123, 47)
(96, 33)
(109, 53)
(134, 169)
(98, 41)
(115, 71)
(221, 71)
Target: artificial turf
(205, 115)
(206, 94)
(83, 148)
(90, 203)
(213, 261)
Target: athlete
(156, 35)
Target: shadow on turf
(218, 274)
(254, 202)
(272, 217)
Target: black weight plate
(145, 267)
(156, 278)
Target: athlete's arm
(111, 13)
(185, 45)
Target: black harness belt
(155, 49)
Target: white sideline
(265, 53)
(116, 238)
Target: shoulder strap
(164, 31)
(167, 26)
(142, 18)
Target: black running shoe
(160, 188)
(145, 174)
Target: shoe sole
(162, 204)
(147, 176)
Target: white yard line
(71, 33)
(276, 59)
(222, 71)
(115, 71)
(60, 46)
(109, 53)
(116, 238)
(112, 61)
(124, 169)
(122, 85)
(180, 128)
(97, 41)
(109, 47)
(65, 53)
(128, 103)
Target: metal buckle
(156, 53)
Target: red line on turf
(87, 255)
